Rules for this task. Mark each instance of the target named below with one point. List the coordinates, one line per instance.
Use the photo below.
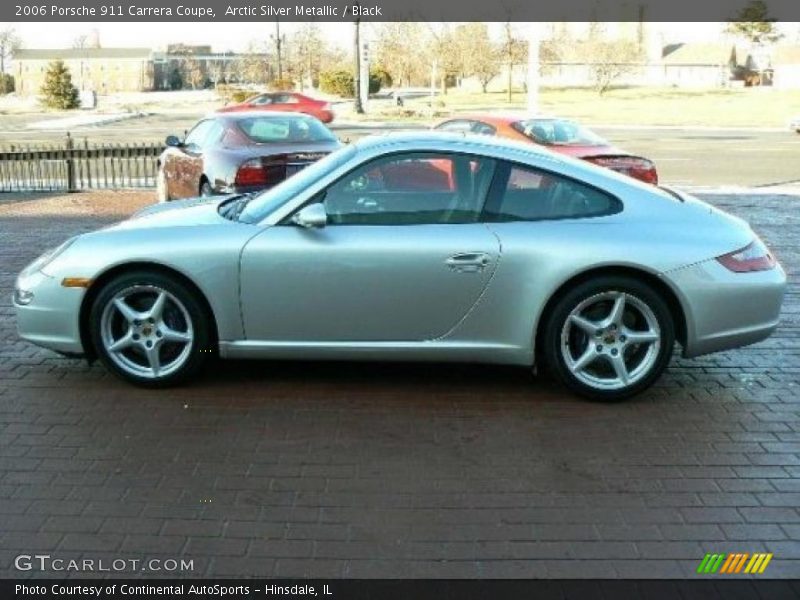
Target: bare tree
(478, 56)
(254, 65)
(80, 41)
(610, 60)
(9, 43)
(444, 50)
(309, 52)
(193, 72)
(401, 49)
(514, 51)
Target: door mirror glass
(173, 141)
(311, 216)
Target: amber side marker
(79, 282)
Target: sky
(236, 36)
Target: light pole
(359, 107)
(534, 39)
(278, 43)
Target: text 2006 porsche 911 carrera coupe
(417, 246)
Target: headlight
(48, 257)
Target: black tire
(555, 323)
(205, 189)
(200, 349)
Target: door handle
(468, 262)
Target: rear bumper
(51, 319)
(727, 310)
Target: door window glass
(411, 189)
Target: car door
(400, 260)
(190, 158)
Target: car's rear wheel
(148, 328)
(609, 338)
(205, 188)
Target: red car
(285, 101)
(558, 135)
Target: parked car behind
(240, 152)
(285, 102)
(794, 124)
(559, 135)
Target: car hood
(188, 212)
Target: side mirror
(311, 216)
(173, 141)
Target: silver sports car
(423, 246)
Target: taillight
(753, 257)
(634, 166)
(252, 172)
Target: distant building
(103, 70)
(699, 64)
(110, 70)
(786, 67)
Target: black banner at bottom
(402, 589)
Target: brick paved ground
(362, 470)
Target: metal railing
(78, 166)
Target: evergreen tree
(57, 89)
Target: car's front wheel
(609, 338)
(149, 329)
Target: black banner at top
(389, 10)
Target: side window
(528, 194)
(262, 100)
(198, 133)
(213, 135)
(458, 125)
(411, 189)
(483, 128)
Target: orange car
(559, 135)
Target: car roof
(427, 140)
(501, 118)
(249, 114)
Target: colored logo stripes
(734, 563)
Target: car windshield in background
(266, 202)
(273, 130)
(555, 132)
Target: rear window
(557, 132)
(268, 130)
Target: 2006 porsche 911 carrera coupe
(414, 246)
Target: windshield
(555, 132)
(267, 201)
(268, 130)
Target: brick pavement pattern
(387, 470)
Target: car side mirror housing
(311, 216)
(173, 141)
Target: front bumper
(51, 318)
(727, 310)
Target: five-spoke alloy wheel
(609, 338)
(149, 329)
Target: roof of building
(701, 53)
(80, 53)
(786, 55)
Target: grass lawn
(743, 107)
